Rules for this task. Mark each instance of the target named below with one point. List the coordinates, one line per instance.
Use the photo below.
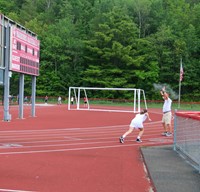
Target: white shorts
(136, 124)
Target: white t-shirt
(137, 122)
(167, 105)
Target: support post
(32, 99)
(175, 130)
(69, 98)
(7, 74)
(21, 96)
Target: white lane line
(83, 137)
(72, 129)
(71, 134)
(66, 142)
(59, 145)
(63, 150)
(57, 134)
(74, 149)
(10, 190)
(63, 129)
(76, 132)
(69, 138)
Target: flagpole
(180, 79)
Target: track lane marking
(11, 190)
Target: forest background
(112, 43)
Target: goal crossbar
(76, 93)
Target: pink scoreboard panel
(25, 50)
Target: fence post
(175, 129)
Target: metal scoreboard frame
(19, 52)
(1, 42)
(24, 54)
(1, 52)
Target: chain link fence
(187, 136)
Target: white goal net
(106, 99)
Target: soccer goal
(106, 99)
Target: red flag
(181, 72)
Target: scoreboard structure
(19, 52)
(24, 54)
(1, 52)
(1, 42)
(24, 47)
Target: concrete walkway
(168, 171)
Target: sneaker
(121, 140)
(168, 134)
(139, 140)
(164, 133)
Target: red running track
(79, 151)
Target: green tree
(115, 55)
(112, 43)
(61, 56)
(140, 10)
(7, 7)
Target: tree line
(112, 43)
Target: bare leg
(164, 127)
(128, 132)
(140, 133)
(169, 128)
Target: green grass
(189, 106)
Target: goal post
(106, 99)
